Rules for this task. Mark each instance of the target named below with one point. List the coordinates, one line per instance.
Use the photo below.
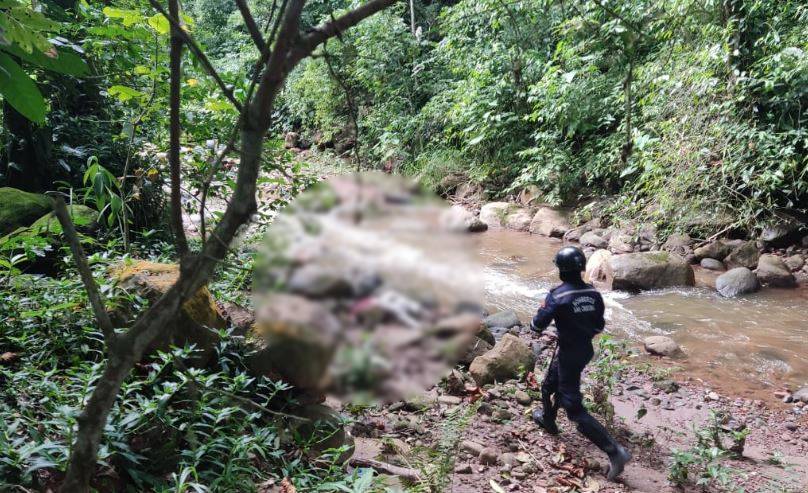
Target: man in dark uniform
(577, 309)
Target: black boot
(617, 461)
(597, 434)
(545, 422)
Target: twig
(403, 472)
(69, 230)
(252, 27)
(199, 54)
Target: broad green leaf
(20, 90)
(160, 24)
(127, 17)
(124, 93)
(58, 60)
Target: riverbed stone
(794, 262)
(518, 219)
(594, 240)
(649, 270)
(717, 250)
(772, 271)
(493, 213)
(621, 242)
(551, 222)
(736, 282)
(458, 219)
(662, 346)
(745, 255)
(505, 319)
(678, 243)
(510, 356)
(598, 268)
(477, 348)
(801, 395)
(712, 264)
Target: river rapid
(747, 346)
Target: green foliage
(604, 373)
(534, 93)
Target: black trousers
(562, 388)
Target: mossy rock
(19, 209)
(84, 218)
(198, 319)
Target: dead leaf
(591, 486)
(8, 357)
(496, 487)
(287, 486)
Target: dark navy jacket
(578, 313)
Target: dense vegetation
(696, 108)
(684, 113)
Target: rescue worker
(577, 309)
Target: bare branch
(101, 315)
(385, 468)
(336, 26)
(199, 54)
(175, 130)
(252, 27)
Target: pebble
(451, 400)
(489, 456)
(791, 426)
(485, 408)
(712, 396)
(463, 469)
(473, 448)
(502, 415)
(523, 398)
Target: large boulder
(736, 282)
(794, 262)
(662, 346)
(575, 233)
(772, 271)
(493, 213)
(621, 242)
(19, 209)
(458, 219)
(598, 267)
(550, 222)
(745, 255)
(298, 339)
(505, 361)
(649, 270)
(712, 264)
(478, 347)
(679, 244)
(715, 249)
(594, 240)
(199, 317)
(518, 219)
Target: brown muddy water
(745, 346)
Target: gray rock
(592, 239)
(510, 356)
(316, 281)
(781, 234)
(649, 270)
(662, 346)
(794, 262)
(477, 348)
(621, 243)
(458, 219)
(550, 222)
(736, 282)
(505, 318)
(715, 249)
(463, 469)
(471, 447)
(679, 244)
(745, 255)
(801, 395)
(518, 219)
(489, 456)
(712, 264)
(772, 271)
(493, 213)
(523, 398)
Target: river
(746, 346)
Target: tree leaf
(160, 24)
(20, 91)
(59, 60)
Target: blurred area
(363, 291)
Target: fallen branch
(403, 472)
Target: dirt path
(478, 442)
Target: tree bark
(290, 47)
(175, 130)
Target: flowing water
(745, 346)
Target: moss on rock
(19, 208)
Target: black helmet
(570, 259)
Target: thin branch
(175, 130)
(403, 472)
(199, 54)
(69, 230)
(336, 26)
(252, 27)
